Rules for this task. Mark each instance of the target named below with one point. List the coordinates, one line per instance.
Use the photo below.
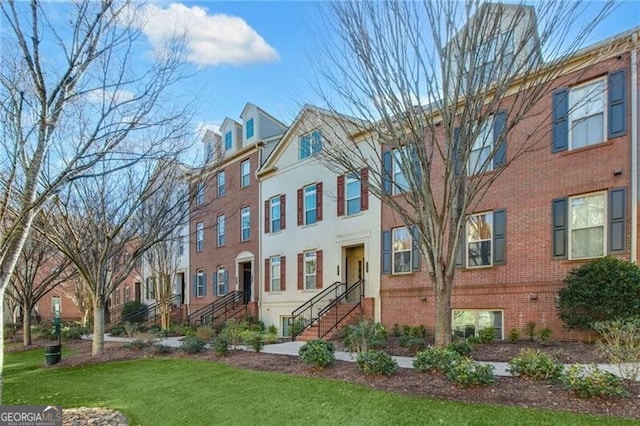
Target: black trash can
(52, 354)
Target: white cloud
(211, 39)
(117, 96)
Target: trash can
(52, 354)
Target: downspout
(634, 147)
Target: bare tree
(437, 100)
(41, 268)
(81, 297)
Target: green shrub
(465, 372)
(461, 347)
(513, 336)
(160, 349)
(530, 330)
(419, 331)
(233, 332)
(406, 330)
(364, 336)
(254, 339)
(136, 345)
(117, 330)
(621, 344)
(134, 311)
(535, 365)
(601, 290)
(376, 362)
(131, 328)
(436, 360)
(270, 338)
(221, 345)
(404, 340)
(416, 344)
(487, 335)
(72, 332)
(317, 353)
(205, 333)
(593, 383)
(272, 329)
(193, 345)
(545, 335)
(395, 331)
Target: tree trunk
(26, 325)
(443, 329)
(85, 317)
(2, 290)
(98, 327)
(165, 315)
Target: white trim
(605, 222)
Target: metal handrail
(217, 308)
(327, 311)
(303, 316)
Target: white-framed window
(200, 194)
(199, 236)
(401, 246)
(587, 118)
(479, 239)
(481, 150)
(245, 173)
(221, 281)
(310, 144)
(209, 153)
(587, 230)
(180, 248)
(498, 48)
(116, 297)
(149, 288)
(353, 194)
(310, 269)
(245, 224)
(400, 183)
(56, 304)
(221, 230)
(467, 323)
(228, 140)
(127, 295)
(274, 206)
(221, 183)
(274, 273)
(249, 128)
(200, 283)
(310, 204)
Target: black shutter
(499, 237)
(415, 249)
(617, 104)
(617, 220)
(204, 287)
(215, 284)
(560, 228)
(386, 172)
(457, 164)
(560, 132)
(386, 251)
(195, 286)
(499, 140)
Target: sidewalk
(292, 348)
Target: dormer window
(310, 144)
(249, 128)
(228, 141)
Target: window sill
(310, 225)
(587, 148)
(349, 216)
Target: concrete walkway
(292, 348)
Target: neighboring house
(572, 199)
(317, 227)
(224, 221)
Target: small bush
(233, 332)
(395, 331)
(593, 383)
(254, 339)
(221, 345)
(317, 353)
(270, 338)
(376, 362)
(487, 335)
(436, 360)
(136, 345)
(545, 335)
(193, 345)
(72, 332)
(513, 336)
(621, 344)
(160, 349)
(416, 344)
(364, 336)
(465, 372)
(131, 328)
(461, 347)
(530, 330)
(419, 331)
(272, 329)
(406, 330)
(535, 365)
(205, 333)
(134, 311)
(117, 330)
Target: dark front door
(246, 283)
(136, 292)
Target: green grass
(192, 392)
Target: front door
(354, 269)
(136, 291)
(246, 282)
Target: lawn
(194, 392)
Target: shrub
(317, 353)
(601, 290)
(545, 335)
(136, 345)
(254, 339)
(272, 329)
(160, 349)
(436, 360)
(419, 331)
(592, 383)
(193, 345)
(117, 330)
(134, 311)
(270, 338)
(205, 333)
(365, 335)
(487, 335)
(461, 347)
(131, 328)
(466, 372)
(376, 362)
(395, 331)
(535, 365)
(530, 330)
(233, 332)
(416, 344)
(513, 336)
(621, 344)
(72, 332)
(221, 345)
(404, 340)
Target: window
(353, 194)
(274, 273)
(209, 153)
(221, 230)
(587, 218)
(245, 171)
(400, 183)
(245, 224)
(286, 326)
(310, 204)
(116, 296)
(469, 323)
(586, 114)
(479, 238)
(310, 270)
(149, 288)
(401, 245)
(56, 304)
(498, 48)
(228, 141)
(199, 236)
(200, 283)
(310, 144)
(139, 263)
(221, 281)
(249, 128)
(275, 214)
(200, 194)
(221, 183)
(481, 150)
(127, 296)
(180, 248)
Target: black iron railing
(224, 307)
(152, 312)
(331, 315)
(307, 314)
